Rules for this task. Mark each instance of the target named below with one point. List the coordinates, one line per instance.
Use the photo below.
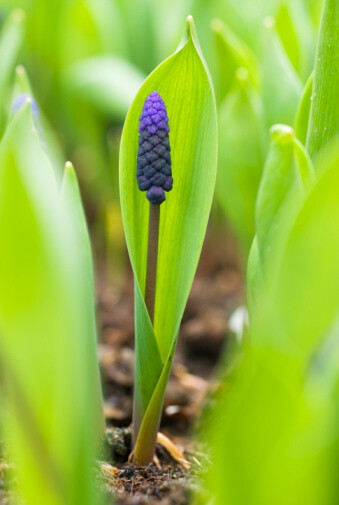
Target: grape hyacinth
(23, 98)
(154, 172)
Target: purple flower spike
(154, 172)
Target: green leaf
(281, 86)
(288, 175)
(52, 422)
(273, 430)
(183, 82)
(254, 276)
(304, 164)
(49, 140)
(324, 113)
(232, 53)
(11, 36)
(286, 30)
(245, 17)
(109, 83)
(10, 41)
(241, 155)
(312, 243)
(71, 198)
(297, 33)
(303, 112)
(280, 189)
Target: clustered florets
(154, 173)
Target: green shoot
(183, 82)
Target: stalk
(144, 449)
(324, 115)
(152, 258)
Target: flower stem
(152, 258)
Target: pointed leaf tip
(282, 134)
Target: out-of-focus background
(85, 60)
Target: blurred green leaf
(312, 244)
(10, 41)
(273, 430)
(107, 82)
(245, 17)
(303, 112)
(324, 113)
(241, 154)
(22, 88)
(52, 418)
(304, 164)
(140, 29)
(11, 37)
(70, 195)
(296, 30)
(281, 86)
(288, 36)
(110, 27)
(232, 53)
(280, 189)
(254, 276)
(183, 82)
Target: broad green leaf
(232, 53)
(52, 419)
(280, 189)
(281, 86)
(313, 243)
(288, 36)
(296, 30)
(268, 438)
(288, 175)
(107, 82)
(50, 142)
(183, 82)
(273, 430)
(241, 155)
(303, 112)
(324, 113)
(70, 196)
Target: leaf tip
(69, 166)
(18, 16)
(268, 22)
(282, 134)
(20, 70)
(217, 25)
(191, 31)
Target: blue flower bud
(154, 172)
(20, 100)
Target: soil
(217, 291)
